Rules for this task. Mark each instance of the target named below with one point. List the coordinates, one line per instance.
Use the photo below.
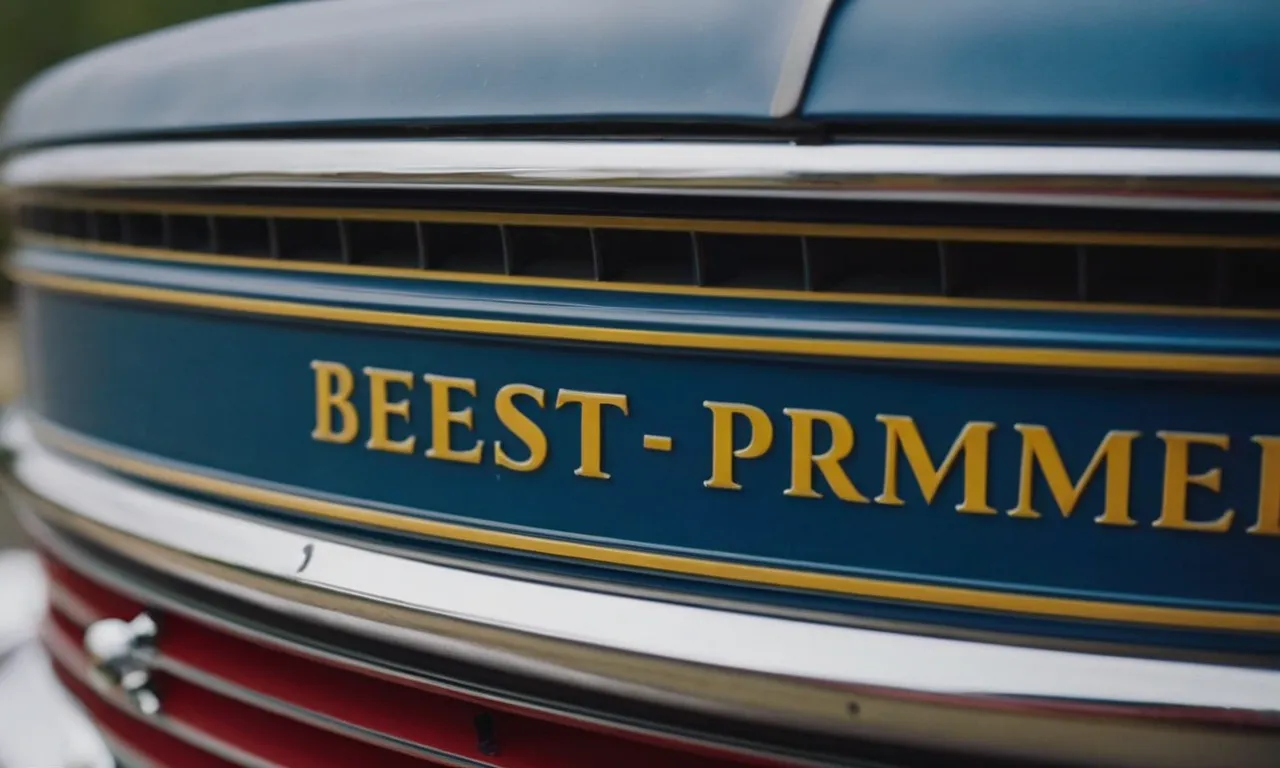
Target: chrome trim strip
(761, 644)
(309, 717)
(239, 489)
(73, 661)
(73, 608)
(1126, 177)
(1115, 732)
(793, 74)
(74, 556)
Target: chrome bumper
(839, 681)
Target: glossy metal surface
(122, 654)
(760, 644)
(1131, 177)
(351, 658)
(1005, 700)
(74, 663)
(56, 638)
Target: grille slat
(293, 710)
(1153, 276)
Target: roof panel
(1046, 60)
(386, 61)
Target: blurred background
(34, 35)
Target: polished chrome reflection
(1127, 177)
(761, 644)
(122, 654)
(922, 691)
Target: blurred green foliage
(35, 34)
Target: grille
(229, 700)
(1122, 271)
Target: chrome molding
(1128, 177)
(699, 657)
(74, 662)
(122, 654)
(834, 654)
(317, 720)
(68, 604)
(159, 661)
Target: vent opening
(1150, 275)
(643, 256)
(875, 266)
(563, 252)
(108, 227)
(384, 243)
(1012, 271)
(1254, 279)
(1184, 276)
(310, 239)
(74, 223)
(749, 261)
(243, 235)
(465, 248)
(191, 233)
(145, 229)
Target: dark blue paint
(398, 61)
(1050, 60)
(669, 312)
(234, 394)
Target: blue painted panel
(397, 61)
(1047, 60)
(234, 393)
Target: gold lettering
(974, 442)
(1268, 488)
(380, 409)
(523, 427)
(592, 404)
(1038, 447)
(722, 451)
(803, 459)
(334, 384)
(1177, 461)
(443, 419)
